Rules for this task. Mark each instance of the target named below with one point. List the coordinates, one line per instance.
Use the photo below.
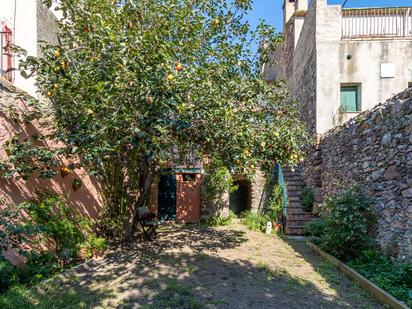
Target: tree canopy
(134, 83)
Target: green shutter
(349, 98)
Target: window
(5, 52)
(350, 99)
(189, 177)
(409, 84)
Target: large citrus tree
(136, 82)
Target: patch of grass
(220, 221)
(394, 278)
(175, 295)
(51, 294)
(255, 221)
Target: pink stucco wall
(87, 200)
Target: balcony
(377, 23)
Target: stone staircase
(296, 217)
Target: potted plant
(76, 184)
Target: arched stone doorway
(240, 200)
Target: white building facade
(339, 62)
(24, 23)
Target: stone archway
(240, 200)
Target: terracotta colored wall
(87, 200)
(188, 199)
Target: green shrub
(275, 203)
(39, 266)
(394, 278)
(49, 221)
(255, 221)
(349, 221)
(220, 221)
(316, 227)
(307, 199)
(72, 234)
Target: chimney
(288, 10)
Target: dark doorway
(167, 197)
(240, 199)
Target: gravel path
(225, 267)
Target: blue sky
(271, 10)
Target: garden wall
(86, 199)
(373, 150)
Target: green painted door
(167, 197)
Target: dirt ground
(224, 267)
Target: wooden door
(188, 197)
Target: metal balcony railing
(6, 57)
(377, 23)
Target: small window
(189, 177)
(409, 84)
(350, 100)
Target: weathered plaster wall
(374, 150)
(328, 35)
(46, 26)
(30, 22)
(364, 67)
(21, 17)
(87, 200)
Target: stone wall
(302, 85)
(295, 62)
(373, 150)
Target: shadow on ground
(191, 267)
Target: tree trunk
(145, 182)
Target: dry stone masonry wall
(375, 151)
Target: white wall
(364, 67)
(328, 35)
(20, 15)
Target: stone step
(294, 198)
(292, 176)
(295, 230)
(294, 204)
(294, 187)
(294, 182)
(299, 216)
(295, 211)
(294, 192)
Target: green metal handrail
(281, 182)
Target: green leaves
(349, 221)
(115, 90)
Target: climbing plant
(136, 83)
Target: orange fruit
(170, 77)
(215, 22)
(149, 100)
(179, 67)
(57, 53)
(64, 171)
(65, 65)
